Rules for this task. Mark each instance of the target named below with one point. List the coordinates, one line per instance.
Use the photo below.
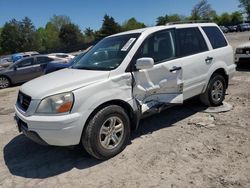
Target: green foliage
(163, 20)
(59, 20)
(51, 36)
(109, 27)
(10, 37)
(89, 35)
(70, 35)
(18, 36)
(245, 5)
(201, 11)
(131, 24)
(236, 17)
(225, 19)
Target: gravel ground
(181, 147)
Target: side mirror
(15, 68)
(144, 63)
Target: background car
(61, 56)
(232, 28)
(243, 27)
(57, 65)
(242, 54)
(23, 70)
(18, 56)
(224, 29)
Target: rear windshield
(215, 37)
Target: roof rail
(189, 22)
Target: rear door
(24, 70)
(161, 85)
(196, 60)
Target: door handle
(209, 59)
(174, 68)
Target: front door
(162, 84)
(24, 70)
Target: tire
(99, 138)
(215, 92)
(4, 82)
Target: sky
(89, 13)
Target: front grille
(23, 101)
(246, 51)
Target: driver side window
(160, 46)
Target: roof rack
(189, 22)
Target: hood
(244, 45)
(62, 81)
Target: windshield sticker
(128, 44)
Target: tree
(163, 20)
(236, 17)
(245, 5)
(225, 19)
(109, 27)
(70, 35)
(28, 35)
(59, 21)
(51, 36)
(89, 35)
(131, 24)
(201, 11)
(10, 37)
(215, 17)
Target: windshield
(76, 58)
(108, 54)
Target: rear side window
(215, 37)
(43, 60)
(190, 42)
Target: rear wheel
(215, 92)
(4, 82)
(107, 133)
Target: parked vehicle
(232, 28)
(102, 97)
(61, 56)
(243, 27)
(5, 61)
(18, 56)
(23, 70)
(58, 65)
(224, 29)
(242, 54)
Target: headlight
(56, 104)
(239, 51)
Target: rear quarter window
(215, 37)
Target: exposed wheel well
(223, 73)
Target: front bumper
(63, 130)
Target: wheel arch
(223, 73)
(134, 116)
(5, 76)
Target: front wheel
(107, 133)
(215, 92)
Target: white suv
(101, 98)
